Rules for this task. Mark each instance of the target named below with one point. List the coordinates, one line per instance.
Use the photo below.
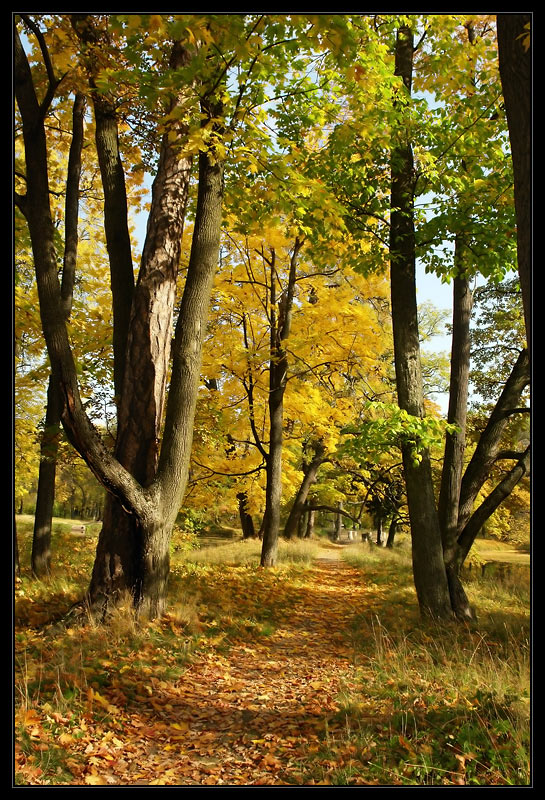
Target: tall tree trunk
(173, 468)
(278, 368)
(310, 471)
(427, 555)
(515, 62)
(144, 345)
(41, 540)
(453, 460)
(116, 222)
(153, 507)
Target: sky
(430, 288)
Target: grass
(451, 704)
(249, 551)
(428, 705)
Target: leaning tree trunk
(491, 503)
(310, 471)
(427, 555)
(45, 498)
(488, 446)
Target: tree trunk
(278, 367)
(310, 471)
(116, 223)
(515, 61)
(378, 527)
(246, 521)
(301, 523)
(453, 460)
(16, 559)
(40, 559)
(41, 541)
(428, 566)
(143, 349)
(310, 523)
(273, 492)
(173, 469)
(392, 530)
(145, 555)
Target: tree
(428, 565)
(41, 541)
(515, 63)
(177, 78)
(334, 337)
(314, 455)
(473, 211)
(135, 557)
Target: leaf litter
(279, 677)
(249, 705)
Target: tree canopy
(300, 166)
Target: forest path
(251, 714)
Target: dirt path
(249, 716)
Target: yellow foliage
(336, 335)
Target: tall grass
(248, 551)
(440, 705)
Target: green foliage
(387, 426)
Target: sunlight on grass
(248, 551)
(425, 705)
(441, 705)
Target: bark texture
(428, 566)
(515, 61)
(45, 498)
(453, 459)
